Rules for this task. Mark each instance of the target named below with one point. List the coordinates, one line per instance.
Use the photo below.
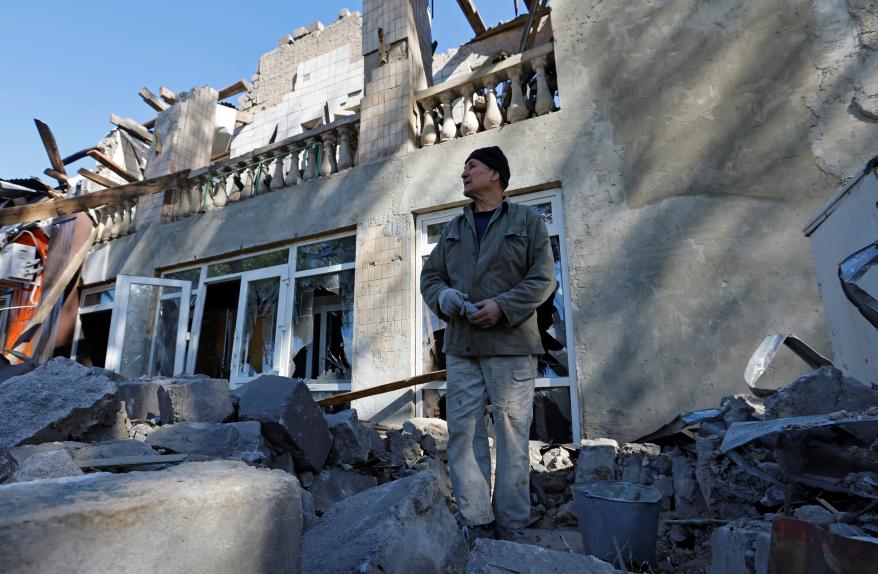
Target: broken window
(260, 324)
(321, 350)
(93, 327)
(249, 263)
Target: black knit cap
(494, 158)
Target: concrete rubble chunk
(741, 547)
(141, 398)
(60, 400)
(352, 441)
(597, 460)
(400, 526)
(290, 418)
(403, 448)
(309, 515)
(557, 459)
(634, 461)
(815, 515)
(334, 485)
(194, 399)
(823, 391)
(219, 517)
(236, 441)
(502, 557)
(739, 408)
(51, 464)
(431, 434)
(82, 451)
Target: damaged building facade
(675, 149)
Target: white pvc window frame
(86, 309)
(556, 229)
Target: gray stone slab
(823, 391)
(194, 399)
(236, 441)
(50, 464)
(290, 418)
(431, 434)
(334, 485)
(502, 557)
(219, 517)
(597, 460)
(352, 441)
(400, 526)
(741, 547)
(57, 401)
(141, 398)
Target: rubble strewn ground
(282, 487)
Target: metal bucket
(618, 518)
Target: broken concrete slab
(814, 514)
(431, 434)
(823, 391)
(635, 462)
(234, 441)
(741, 547)
(141, 398)
(502, 557)
(50, 464)
(290, 418)
(400, 526)
(194, 399)
(83, 451)
(403, 449)
(597, 460)
(60, 400)
(352, 442)
(334, 485)
(224, 517)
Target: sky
(70, 64)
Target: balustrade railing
(508, 91)
(115, 220)
(314, 154)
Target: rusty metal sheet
(799, 547)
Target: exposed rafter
(97, 178)
(152, 100)
(52, 150)
(113, 166)
(472, 15)
(132, 127)
(238, 87)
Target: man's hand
(488, 314)
(452, 302)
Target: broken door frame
(556, 229)
(119, 318)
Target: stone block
(634, 462)
(290, 418)
(57, 401)
(334, 485)
(815, 515)
(403, 448)
(50, 464)
(431, 434)
(141, 398)
(82, 451)
(597, 460)
(194, 399)
(400, 526)
(740, 548)
(502, 557)
(823, 391)
(352, 442)
(219, 517)
(236, 441)
(557, 459)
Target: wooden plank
(113, 166)
(537, 11)
(243, 118)
(132, 127)
(62, 177)
(238, 87)
(167, 95)
(45, 210)
(51, 147)
(342, 398)
(152, 100)
(472, 15)
(125, 461)
(97, 178)
(77, 155)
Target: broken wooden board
(48, 209)
(152, 100)
(472, 15)
(61, 177)
(130, 461)
(132, 127)
(238, 87)
(537, 9)
(113, 166)
(97, 178)
(167, 95)
(51, 148)
(342, 398)
(76, 156)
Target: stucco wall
(695, 139)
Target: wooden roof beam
(537, 11)
(238, 87)
(51, 149)
(113, 166)
(472, 15)
(77, 155)
(167, 95)
(132, 127)
(152, 100)
(98, 179)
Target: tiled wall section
(391, 15)
(335, 77)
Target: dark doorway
(214, 357)
(94, 336)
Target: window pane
(553, 420)
(323, 328)
(194, 277)
(260, 324)
(434, 231)
(552, 323)
(98, 298)
(432, 337)
(326, 253)
(150, 337)
(248, 263)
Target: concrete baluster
(328, 159)
(115, 221)
(428, 126)
(234, 185)
(449, 129)
(345, 160)
(545, 102)
(132, 215)
(517, 110)
(124, 219)
(277, 172)
(470, 123)
(220, 196)
(493, 118)
(293, 174)
(310, 171)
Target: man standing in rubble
(491, 269)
